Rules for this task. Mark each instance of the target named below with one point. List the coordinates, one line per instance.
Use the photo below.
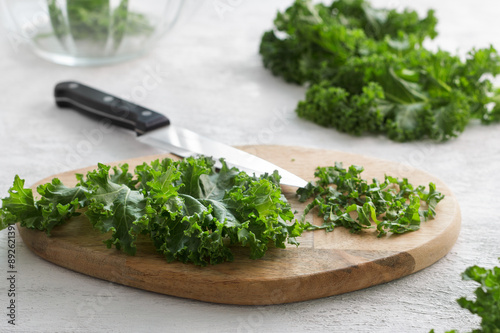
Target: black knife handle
(97, 103)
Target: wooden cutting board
(324, 264)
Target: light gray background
(211, 80)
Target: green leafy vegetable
(344, 199)
(96, 22)
(116, 206)
(369, 72)
(57, 204)
(487, 302)
(193, 214)
(190, 212)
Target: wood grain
(324, 264)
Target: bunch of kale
(369, 73)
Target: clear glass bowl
(92, 32)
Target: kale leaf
(115, 206)
(369, 72)
(58, 203)
(487, 302)
(96, 22)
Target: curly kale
(190, 212)
(369, 72)
(394, 205)
(487, 301)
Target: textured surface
(324, 264)
(211, 80)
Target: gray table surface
(211, 80)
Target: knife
(155, 129)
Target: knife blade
(155, 129)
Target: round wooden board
(324, 264)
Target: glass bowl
(92, 32)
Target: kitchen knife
(155, 129)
